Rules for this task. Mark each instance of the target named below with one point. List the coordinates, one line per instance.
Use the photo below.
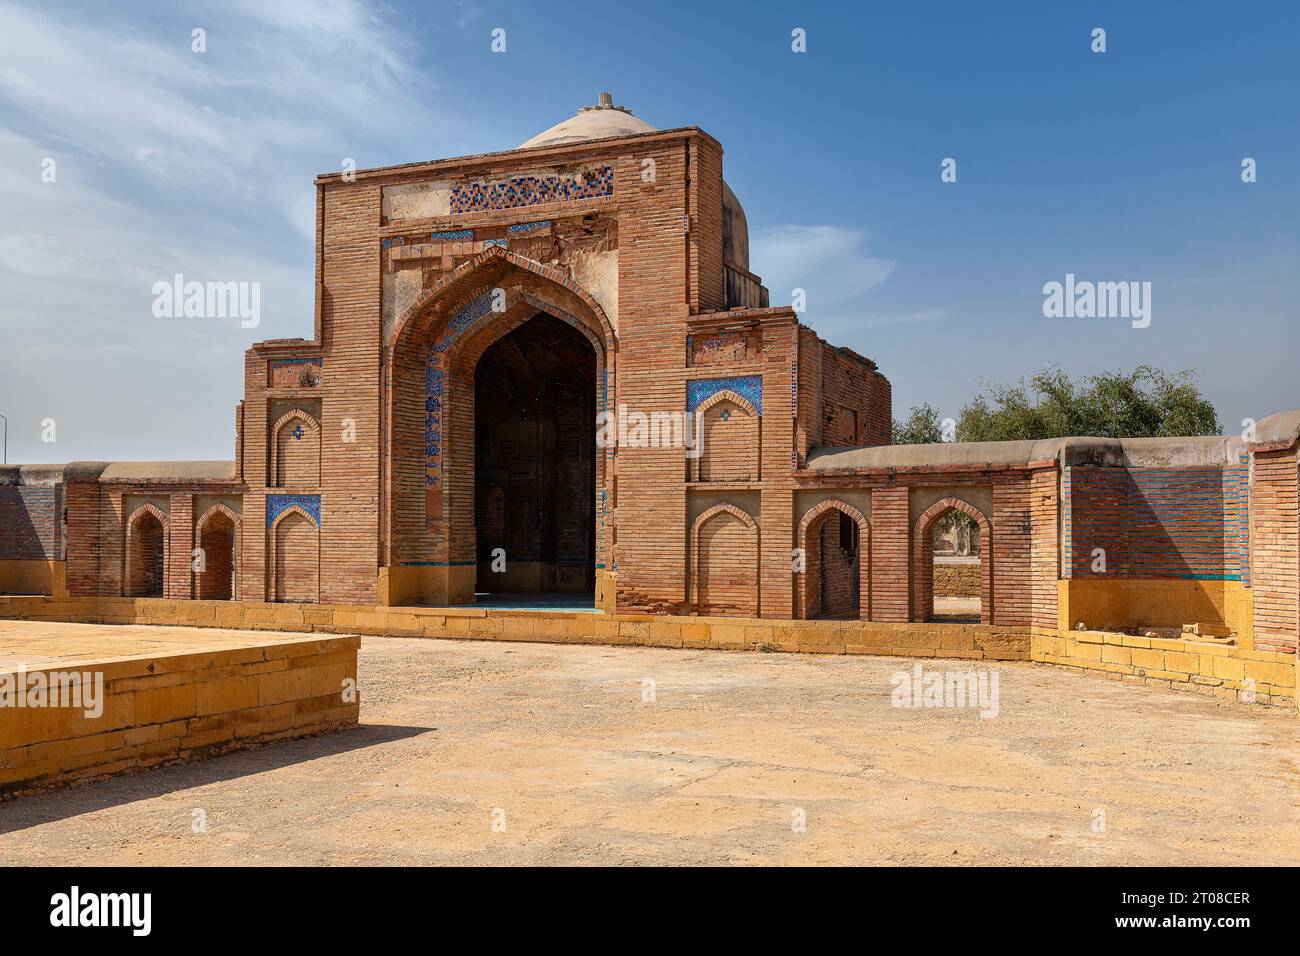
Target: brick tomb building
(549, 376)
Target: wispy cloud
(837, 273)
(168, 160)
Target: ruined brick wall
(844, 399)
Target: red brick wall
(1275, 545)
(30, 523)
(726, 563)
(1044, 557)
(890, 554)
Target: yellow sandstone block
(220, 696)
(1148, 659)
(1228, 668)
(1113, 654)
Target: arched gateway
(494, 483)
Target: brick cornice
(387, 175)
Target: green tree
(1144, 403)
(920, 428)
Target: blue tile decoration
(465, 316)
(531, 190)
(749, 387)
(452, 235)
(794, 389)
(433, 384)
(276, 505)
(297, 432)
(435, 379)
(503, 243)
(522, 227)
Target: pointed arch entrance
(493, 481)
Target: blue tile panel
(1156, 522)
(276, 505)
(523, 227)
(749, 387)
(452, 235)
(530, 190)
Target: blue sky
(1116, 166)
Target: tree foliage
(920, 428)
(1144, 403)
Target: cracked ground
(489, 753)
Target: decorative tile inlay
(452, 235)
(531, 190)
(277, 505)
(433, 384)
(434, 379)
(749, 387)
(465, 316)
(297, 432)
(523, 227)
(489, 243)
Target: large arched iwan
(440, 493)
(835, 539)
(923, 558)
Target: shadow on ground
(24, 812)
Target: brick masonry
(398, 472)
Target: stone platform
(104, 699)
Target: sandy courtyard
(496, 753)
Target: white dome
(591, 122)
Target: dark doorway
(535, 461)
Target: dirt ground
(556, 746)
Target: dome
(592, 122)
(605, 120)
